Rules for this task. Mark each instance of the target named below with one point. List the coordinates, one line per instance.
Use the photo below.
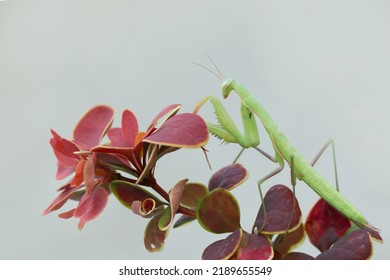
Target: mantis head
(227, 87)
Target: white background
(321, 69)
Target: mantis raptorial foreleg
(227, 129)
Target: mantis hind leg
(256, 229)
(319, 154)
(293, 183)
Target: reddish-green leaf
(279, 204)
(184, 130)
(144, 208)
(127, 193)
(174, 199)
(325, 225)
(184, 219)
(92, 127)
(192, 194)
(354, 246)
(114, 161)
(76, 196)
(254, 247)
(284, 244)
(219, 212)
(154, 237)
(223, 249)
(228, 177)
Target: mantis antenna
(216, 73)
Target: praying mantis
(285, 152)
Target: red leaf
(64, 150)
(63, 171)
(91, 206)
(298, 256)
(116, 137)
(170, 111)
(67, 215)
(61, 199)
(325, 225)
(279, 202)
(92, 127)
(223, 249)
(355, 246)
(184, 130)
(89, 174)
(228, 177)
(129, 127)
(78, 178)
(254, 247)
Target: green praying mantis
(285, 152)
